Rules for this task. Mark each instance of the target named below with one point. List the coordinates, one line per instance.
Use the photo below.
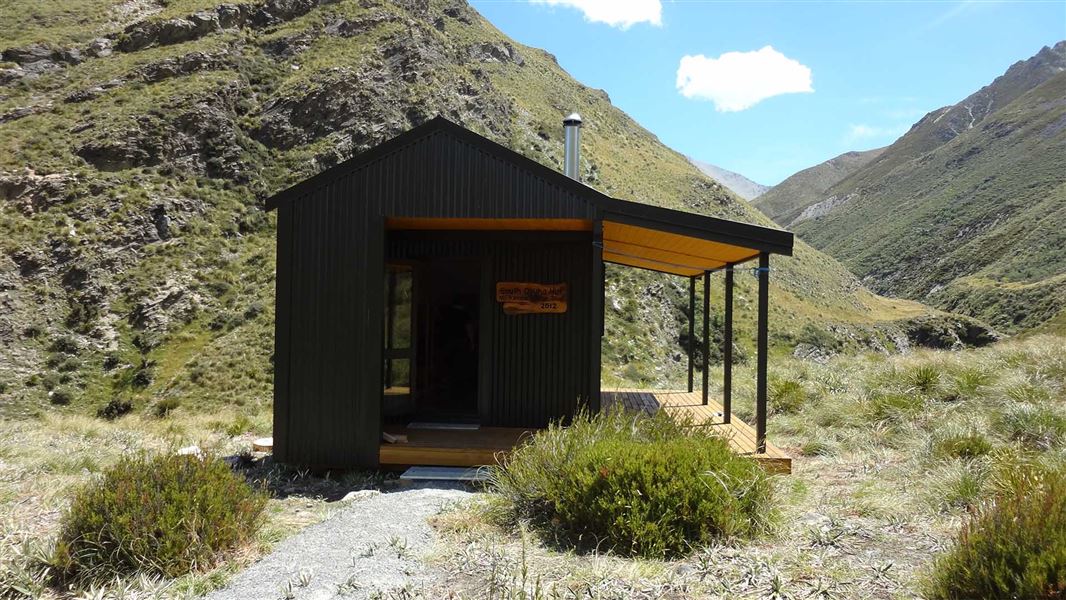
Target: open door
(399, 363)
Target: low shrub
(166, 515)
(165, 406)
(114, 409)
(634, 485)
(1013, 546)
(60, 396)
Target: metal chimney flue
(572, 148)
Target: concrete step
(464, 474)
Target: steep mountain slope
(787, 200)
(140, 140)
(735, 182)
(968, 209)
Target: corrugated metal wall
(330, 274)
(534, 368)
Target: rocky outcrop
(948, 332)
(363, 105)
(501, 52)
(163, 32)
(32, 193)
(201, 139)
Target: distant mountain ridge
(967, 210)
(735, 182)
(788, 200)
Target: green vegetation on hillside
(139, 147)
(786, 200)
(967, 211)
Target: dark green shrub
(634, 485)
(114, 409)
(819, 337)
(1014, 546)
(65, 343)
(786, 396)
(61, 396)
(165, 515)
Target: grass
(873, 495)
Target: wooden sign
(526, 298)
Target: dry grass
(890, 453)
(42, 460)
(879, 486)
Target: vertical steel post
(706, 332)
(760, 381)
(691, 326)
(727, 349)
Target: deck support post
(760, 376)
(706, 332)
(727, 349)
(599, 285)
(691, 326)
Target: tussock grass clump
(960, 443)
(1013, 546)
(786, 396)
(166, 515)
(1039, 427)
(634, 485)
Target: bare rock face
(172, 301)
(32, 193)
(202, 139)
(502, 52)
(139, 36)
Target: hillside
(140, 140)
(735, 182)
(787, 200)
(966, 211)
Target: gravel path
(375, 545)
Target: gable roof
(624, 212)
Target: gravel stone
(373, 546)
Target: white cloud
(863, 131)
(616, 13)
(739, 80)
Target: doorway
(447, 388)
(431, 341)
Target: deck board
(741, 435)
(485, 446)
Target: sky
(767, 88)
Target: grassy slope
(219, 258)
(786, 200)
(965, 211)
(976, 225)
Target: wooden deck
(465, 448)
(689, 405)
(450, 448)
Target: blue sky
(839, 76)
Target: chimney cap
(572, 119)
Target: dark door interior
(449, 305)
